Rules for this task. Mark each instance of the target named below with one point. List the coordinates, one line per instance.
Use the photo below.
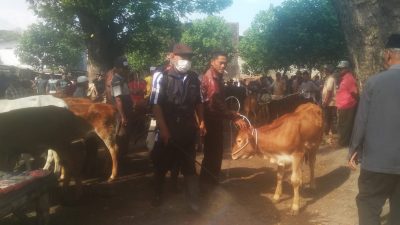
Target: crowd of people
(185, 106)
(182, 104)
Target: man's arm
(164, 131)
(330, 86)
(118, 104)
(327, 98)
(359, 128)
(200, 118)
(155, 99)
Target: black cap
(121, 62)
(393, 41)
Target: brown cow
(104, 119)
(287, 140)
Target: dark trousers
(330, 117)
(123, 135)
(374, 189)
(213, 151)
(179, 153)
(345, 125)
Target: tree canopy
(298, 32)
(43, 45)
(114, 27)
(206, 36)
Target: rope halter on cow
(254, 133)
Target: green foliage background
(206, 36)
(305, 33)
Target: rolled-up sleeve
(156, 91)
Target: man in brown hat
(375, 140)
(176, 99)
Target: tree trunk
(367, 24)
(102, 43)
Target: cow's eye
(239, 140)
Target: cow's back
(311, 124)
(31, 101)
(47, 126)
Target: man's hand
(165, 136)
(202, 129)
(353, 162)
(241, 124)
(124, 121)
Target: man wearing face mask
(215, 110)
(176, 99)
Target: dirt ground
(244, 197)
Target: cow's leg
(57, 165)
(312, 159)
(52, 156)
(49, 159)
(62, 172)
(113, 149)
(279, 179)
(73, 159)
(296, 182)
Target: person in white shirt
(329, 103)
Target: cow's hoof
(111, 179)
(294, 212)
(275, 199)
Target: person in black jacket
(176, 99)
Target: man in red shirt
(215, 110)
(346, 102)
(137, 86)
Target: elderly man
(376, 141)
(346, 102)
(176, 99)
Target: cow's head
(245, 144)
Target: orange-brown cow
(287, 140)
(104, 119)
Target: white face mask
(183, 65)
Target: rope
(237, 100)
(182, 150)
(231, 132)
(254, 133)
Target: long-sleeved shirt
(344, 96)
(376, 132)
(212, 89)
